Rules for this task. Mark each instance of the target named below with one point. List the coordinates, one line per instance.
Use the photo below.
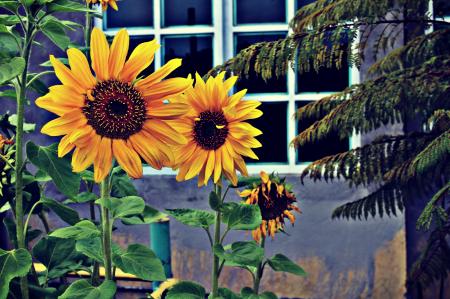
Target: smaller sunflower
(276, 202)
(104, 3)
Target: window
(206, 33)
(441, 11)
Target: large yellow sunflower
(104, 3)
(112, 115)
(216, 132)
(276, 202)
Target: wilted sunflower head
(7, 153)
(276, 202)
(114, 114)
(216, 132)
(104, 3)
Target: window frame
(223, 31)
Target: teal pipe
(160, 244)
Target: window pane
(273, 124)
(301, 3)
(259, 11)
(187, 12)
(254, 83)
(317, 150)
(132, 13)
(196, 52)
(441, 8)
(327, 79)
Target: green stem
(107, 230)
(87, 31)
(25, 227)
(21, 91)
(259, 271)
(216, 261)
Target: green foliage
(186, 290)
(67, 214)
(280, 262)
(83, 289)
(11, 69)
(123, 207)
(432, 209)
(241, 253)
(243, 217)
(82, 230)
(149, 215)
(140, 261)
(192, 217)
(14, 263)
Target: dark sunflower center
(274, 206)
(117, 111)
(210, 130)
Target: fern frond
(432, 209)
(368, 164)
(415, 52)
(388, 199)
(386, 100)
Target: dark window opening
(187, 12)
(273, 124)
(317, 150)
(196, 52)
(259, 11)
(254, 83)
(136, 13)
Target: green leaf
(60, 169)
(9, 94)
(82, 230)
(67, 214)
(186, 290)
(66, 6)
(14, 263)
(27, 127)
(246, 292)
(56, 254)
(268, 295)
(241, 254)
(11, 69)
(149, 215)
(214, 201)
(55, 32)
(123, 207)
(93, 248)
(122, 186)
(83, 289)
(191, 217)
(243, 217)
(227, 294)
(140, 261)
(246, 181)
(11, 5)
(282, 263)
(83, 197)
(9, 20)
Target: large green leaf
(27, 127)
(12, 5)
(67, 214)
(192, 217)
(121, 184)
(282, 263)
(82, 230)
(83, 289)
(243, 217)
(14, 263)
(228, 294)
(60, 169)
(140, 261)
(9, 44)
(214, 201)
(241, 253)
(123, 207)
(58, 255)
(93, 248)
(186, 290)
(55, 32)
(82, 198)
(11, 69)
(149, 215)
(66, 6)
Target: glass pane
(274, 141)
(326, 80)
(301, 3)
(196, 52)
(254, 83)
(317, 150)
(132, 13)
(441, 8)
(259, 11)
(187, 12)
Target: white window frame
(223, 31)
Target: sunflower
(6, 160)
(113, 115)
(217, 136)
(275, 201)
(104, 3)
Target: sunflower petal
(80, 68)
(146, 150)
(166, 89)
(118, 54)
(209, 168)
(46, 102)
(162, 110)
(83, 157)
(217, 165)
(103, 161)
(159, 74)
(196, 164)
(65, 75)
(127, 158)
(64, 146)
(140, 59)
(163, 131)
(64, 124)
(99, 54)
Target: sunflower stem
(106, 229)
(87, 30)
(21, 92)
(259, 270)
(216, 261)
